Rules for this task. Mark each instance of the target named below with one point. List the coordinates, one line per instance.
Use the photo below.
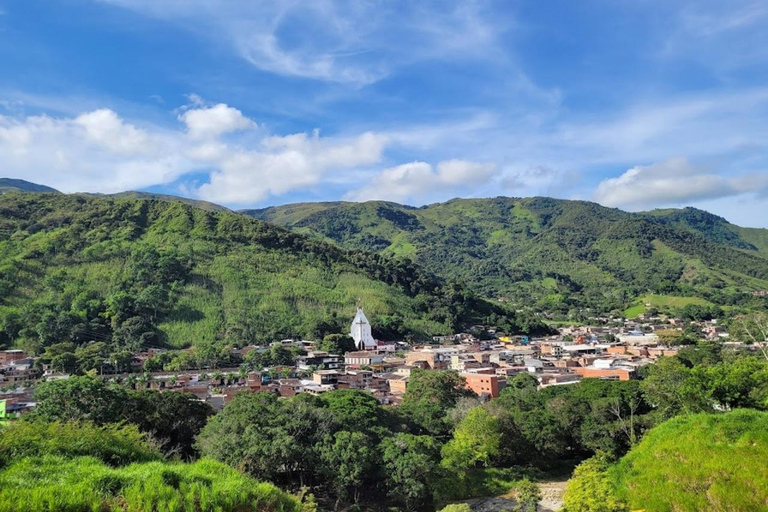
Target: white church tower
(361, 332)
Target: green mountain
(553, 253)
(14, 185)
(133, 194)
(135, 273)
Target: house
(397, 383)
(9, 356)
(326, 377)
(363, 358)
(319, 359)
(356, 379)
(610, 369)
(484, 384)
(289, 387)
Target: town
(612, 348)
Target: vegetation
(560, 255)
(62, 467)
(87, 280)
(172, 420)
(690, 463)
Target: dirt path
(551, 492)
(551, 495)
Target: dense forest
(557, 255)
(114, 275)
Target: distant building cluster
(613, 348)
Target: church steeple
(360, 331)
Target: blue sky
(634, 104)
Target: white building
(361, 332)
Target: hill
(14, 185)
(554, 253)
(133, 194)
(689, 464)
(135, 273)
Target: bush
(115, 445)
(58, 484)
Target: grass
(713, 462)
(663, 302)
(58, 484)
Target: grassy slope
(662, 301)
(247, 279)
(713, 462)
(53, 484)
(519, 247)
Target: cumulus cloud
(419, 181)
(286, 163)
(95, 151)
(98, 151)
(673, 182)
(212, 122)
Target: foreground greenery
(562, 255)
(440, 446)
(691, 463)
(78, 466)
(86, 280)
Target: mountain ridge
(145, 272)
(516, 247)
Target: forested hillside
(135, 273)
(14, 185)
(556, 254)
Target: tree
(476, 440)
(752, 329)
(348, 461)
(668, 386)
(429, 397)
(411, 467)
(354, 410)
(590, 490)
(270, 439)
(337, 344)
(173, 419)
(66, 363)
(79, 399)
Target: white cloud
(95, 151)
(286, 163)
(98, 151)
(345, 41)
(419, 181)
(205, 123)
(673, 182)
(106, 130)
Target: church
(360, 331)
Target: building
(483, 384)
(360, 331)
(8, 356)
(319, 359)
(363, 358)
(609, 369)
